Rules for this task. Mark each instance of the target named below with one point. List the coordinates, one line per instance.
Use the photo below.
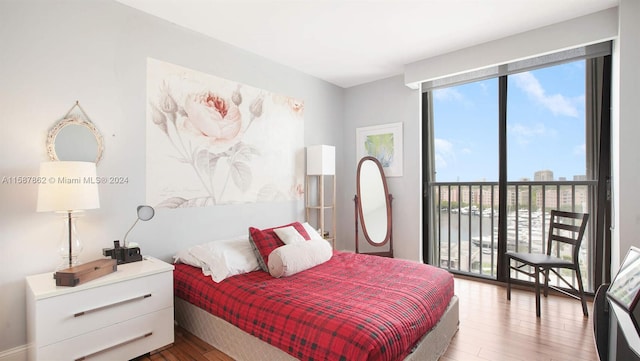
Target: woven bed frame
(242, 346)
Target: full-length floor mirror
(373, 207)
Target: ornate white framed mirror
(75, 138)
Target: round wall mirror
(373, 202)
(73, 139)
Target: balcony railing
(465, 222)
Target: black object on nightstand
(123, 254)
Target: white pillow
(184, 256)
(223, 258)
(289, 235)
(312, 232)
(292, 258)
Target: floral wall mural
(212, 141)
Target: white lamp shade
(321, 160)
(67, 186)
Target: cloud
(558, 104)
(484, 87)
(443, 146)
(524, 134)
(444, 152)
(448, 94)
(441, 163)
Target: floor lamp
(321, 162)
(68, 187)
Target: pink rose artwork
(240, 142)
(213, 116)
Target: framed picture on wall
(383, 142)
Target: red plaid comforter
(353, 307)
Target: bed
(351, 307)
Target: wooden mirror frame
(359, 214)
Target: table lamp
(68, 187)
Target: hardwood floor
(187, 347)
(491, 328)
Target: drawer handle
(116, 345)
(112, 305)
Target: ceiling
(347, 42)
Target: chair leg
(546, 282)
(537, 273)
(508, 268)
(583, 298)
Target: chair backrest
(567, 227)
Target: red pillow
(265, 241)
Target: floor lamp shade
(67, 187)
(321, 160)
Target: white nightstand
(116, 317)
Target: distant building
(548, 196)
(543, 176)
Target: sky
(545, 126)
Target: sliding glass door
(465, 142)
(547, 156)
(500, 154)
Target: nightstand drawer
(122, 341)
(72, 314)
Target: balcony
(466, 222)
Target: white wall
(381, 102)
(53, 53)
(625, 132)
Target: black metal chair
(565, 228)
